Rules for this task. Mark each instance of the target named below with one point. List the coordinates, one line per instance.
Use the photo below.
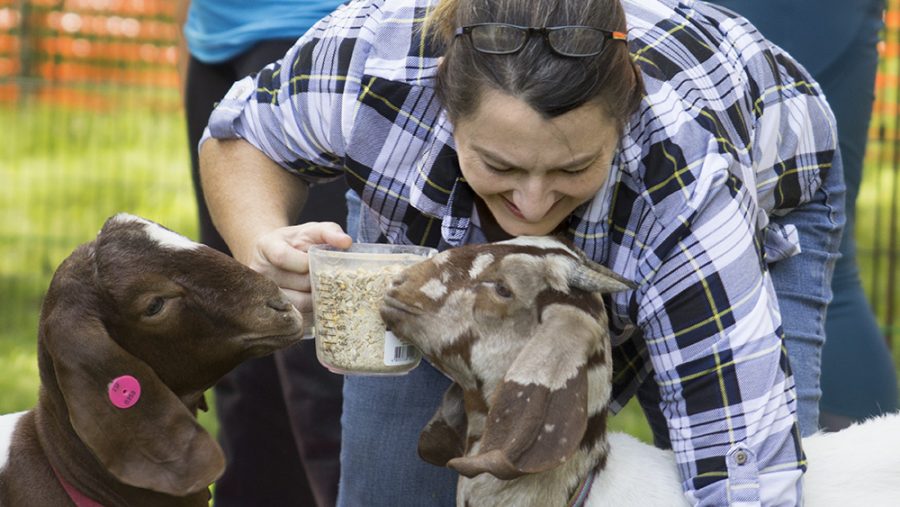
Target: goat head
(143, 302)
(521, 329)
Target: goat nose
(279, 304)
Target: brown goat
(144, 302)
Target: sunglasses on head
(572, 41)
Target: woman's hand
(281, 256)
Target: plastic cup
(348, 287)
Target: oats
(350, 336)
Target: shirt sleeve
(713, 330)
(296, 110)
(717, 162)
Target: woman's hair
(549, 83)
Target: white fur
(548, 242)
(7, 425)
(478, 265)
(434, 289)
(636, 475)
(164, 237)
(856, 466)
(169, 239)
(859, 466)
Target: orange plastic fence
(56, 50)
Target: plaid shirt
(730, 132)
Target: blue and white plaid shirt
(730, 132)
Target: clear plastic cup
(348, 287)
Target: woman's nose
(534, 199)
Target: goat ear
(444, 437)
(155, 444)
(538, 414)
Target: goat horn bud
(593, 277)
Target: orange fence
(64, 51)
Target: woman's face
(532, 172)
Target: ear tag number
(124, 391)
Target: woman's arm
(277, 132)
(247, 193)
(253, 202)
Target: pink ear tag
(124, 391)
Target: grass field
(65, 171)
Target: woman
(689, 173)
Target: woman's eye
(573, 172)
(155, 306)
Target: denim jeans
(381, 421)
(803, 285)
(353, 210)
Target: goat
(135, 326)
(521, 329)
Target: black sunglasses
(572, 41)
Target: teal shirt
(217, 30)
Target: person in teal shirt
(220, 30)
(836, 41)
(279, 416)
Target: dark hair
(549, 83)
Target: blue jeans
(803, 285)
(858, 375)
(859, 380)
(381, 421)
(353, 209)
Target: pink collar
(77, 497)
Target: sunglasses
(572, 41)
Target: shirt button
(740, 457)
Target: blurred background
(91, 124)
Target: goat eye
(502, 290)
(155, 307)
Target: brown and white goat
(135, 326)
(521, 329)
